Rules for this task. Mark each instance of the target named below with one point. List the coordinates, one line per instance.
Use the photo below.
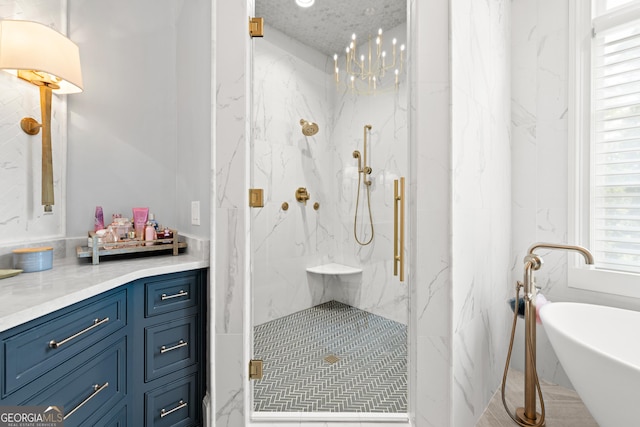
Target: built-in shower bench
(334, 269)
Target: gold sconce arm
(32, 127)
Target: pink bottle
(98, 223)
(150, 234)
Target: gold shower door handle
(398, 229)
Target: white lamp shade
(31, 46)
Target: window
(606, 134)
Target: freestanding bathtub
(599, 348)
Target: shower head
(308, 128)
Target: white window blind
(615, 150)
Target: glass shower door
(329, 317)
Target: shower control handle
(302, 195)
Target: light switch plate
(195, 213)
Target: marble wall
(22, 218)
(481, 201)
(291, 82)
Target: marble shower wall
(379, 291)
(291, 82)
(22, 218)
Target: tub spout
(588, 257)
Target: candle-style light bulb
(335, 56)
(379, 31)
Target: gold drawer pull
(181, 343)
(182, 293)
(96, 323)
(96, 389)
(181, 404)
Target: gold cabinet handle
(398, 229)
(96, 323)
(181, 404)
(182, 293)
(181, 343)
(96, 389)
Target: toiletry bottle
(150, 233)
(152, 220)
(98, 222)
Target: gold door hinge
(256, 27)
(255, 369)
(256, 198)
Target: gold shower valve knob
(302, 195)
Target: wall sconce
(44, 57)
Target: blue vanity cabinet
(169, 342)
(132, 356)
(75, 358)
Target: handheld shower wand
(363, 170)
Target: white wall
(134, 136)
(540, 52)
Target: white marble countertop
(28, 296)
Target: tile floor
(331, 358)
(563, 406)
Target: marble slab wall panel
(481, 205)
(22, 218)
(387, 155)
(229, 170)
(288, 86)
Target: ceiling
(328, 24)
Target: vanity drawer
(170, 346)
(88, 392)
(42, 346)
(174, 404)
(174, 292)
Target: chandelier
(369, 69)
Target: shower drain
(332, 358)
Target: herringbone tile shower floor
(370, 374)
